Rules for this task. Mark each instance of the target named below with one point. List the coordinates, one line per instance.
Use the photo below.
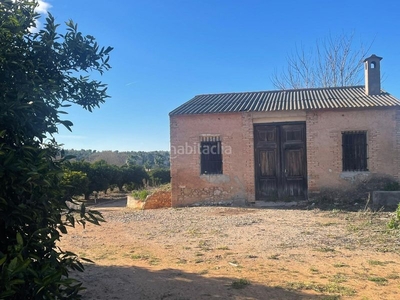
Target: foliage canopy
(41, 73)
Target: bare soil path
(237, 253)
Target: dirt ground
(237, 253)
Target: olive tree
(41, 73)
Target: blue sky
(168, 51)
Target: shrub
(141, 194)
(394, 223)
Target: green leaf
(13, 264)
(20, 241)
(6, 294)
(63, 229)
(83, 210)
(87, 260)
(3, 259)
(17, 281)
(21, 267)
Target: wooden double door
(280, 161)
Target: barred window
(211, 155)
(354, 151)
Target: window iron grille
(211, 157)
(354, 151)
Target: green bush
(141, 194)
(394, 223)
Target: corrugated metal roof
(298, 99)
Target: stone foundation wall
(358, 191)
(159, 199)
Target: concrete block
(385, 198)
(134, 203)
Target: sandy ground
(237, 253)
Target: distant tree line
(149, 160)
(85, 178)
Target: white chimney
(372, 67)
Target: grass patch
(154, 261)
(324, 249)
(330, 288)
(240, 283)
(340, 265)
(273, 256)
(204, 245)
(327, 224)
(181, 261)
(371, 230)
(140, 194)
(223, 248)
(393, 276)
(307, 232)
(314, 270)
(335, 212)
(145, 256)
(339, 278)
(378, 280)
(194, 232)
(377, 263)
(137, 256)
(394, 222)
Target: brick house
(283, 145)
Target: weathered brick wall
(396, 144)
(236, 184)
(248, 155)
(324, 145)
(324, 151)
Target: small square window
(211, 157)
(354, 151)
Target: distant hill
(149, 160)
